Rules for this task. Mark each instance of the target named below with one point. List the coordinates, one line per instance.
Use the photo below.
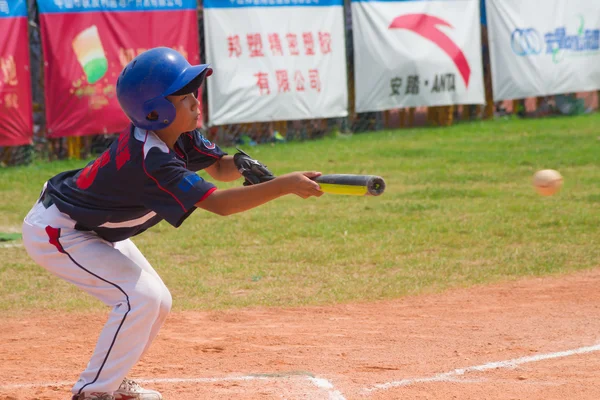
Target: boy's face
(186, 108)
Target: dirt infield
(528, 339)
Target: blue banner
(270, 3)
(78, 6)
(13, 8)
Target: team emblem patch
(207, 143)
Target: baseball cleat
(93, 396)
(131, 390)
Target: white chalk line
(157, 380)
(10, 245)
(321, 383)
(451, 375)
(325, 384)
(334, 394)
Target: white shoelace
(129, 385)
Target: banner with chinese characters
(16, 117)
(541, 51)
(416, 53)
(87, 43)
(275, 60)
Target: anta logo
(427, 26)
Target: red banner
(16, 118)
(85, 52)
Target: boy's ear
(153, 116)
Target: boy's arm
(239, 199)
(224, 170)
(230, 168)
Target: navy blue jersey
(136, 183)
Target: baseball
(547, 182)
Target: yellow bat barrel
(352, 185)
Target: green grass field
(459, 210)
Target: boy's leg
(94, 265)
(130, 250)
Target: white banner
(543, 48)
(416, 53)
(275, 60)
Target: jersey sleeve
(171, 190)
(201, 152)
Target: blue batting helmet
(144, 84)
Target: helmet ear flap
(164, 111)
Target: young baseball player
(80, 228)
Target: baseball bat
(352, 185)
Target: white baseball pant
(115, 273)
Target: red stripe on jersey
(154, 179)
(198, 150)
(179, 153)
(207, 194)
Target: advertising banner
(416, 53)
(16, 116)
(541, 51)
(87, 43)
(275, 60)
